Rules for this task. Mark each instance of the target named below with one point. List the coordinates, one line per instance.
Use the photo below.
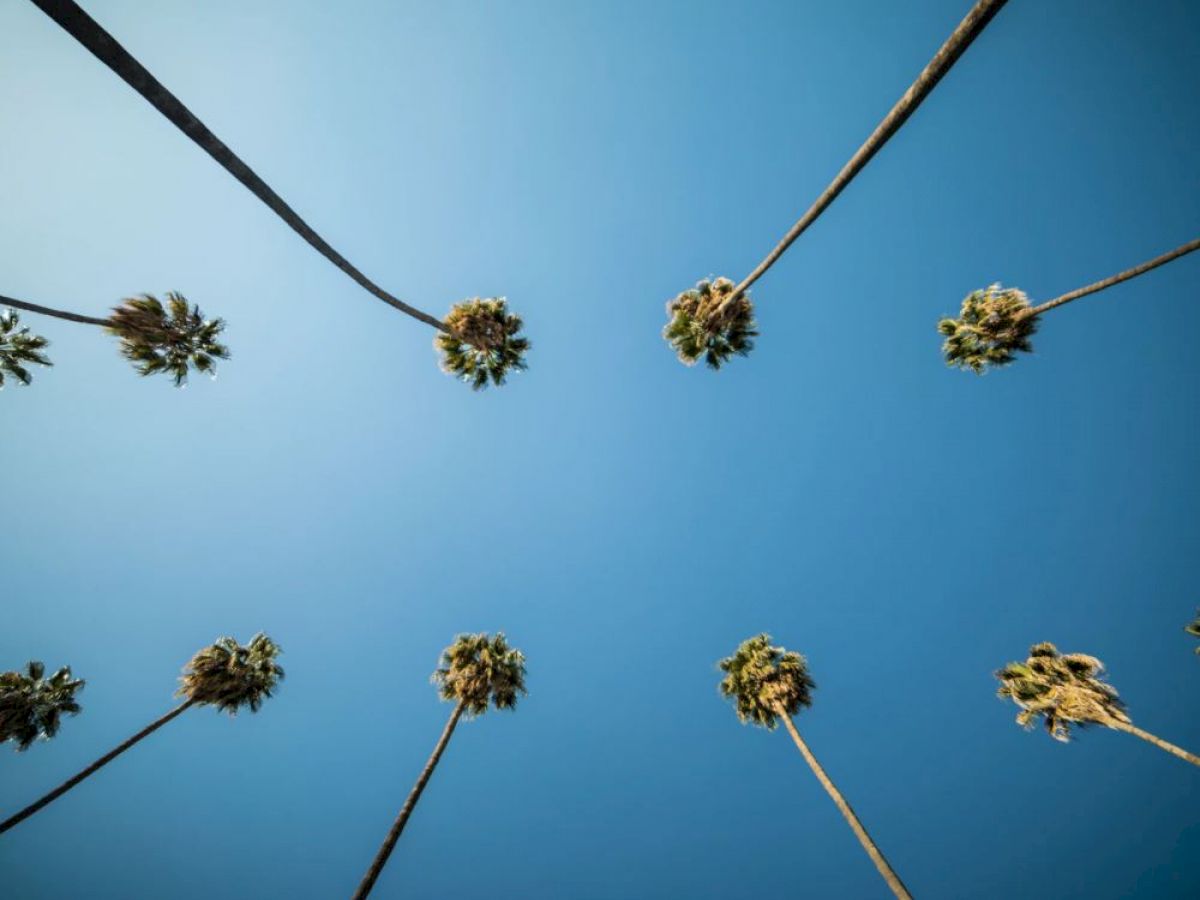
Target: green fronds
(171, 339)
(1193, 628)
(993, 326)
(229, 676)
(19, 348)
(32, 706)
(485, 344)
(476, 668)
(1065, 690)
(762, 680)
(700, 323)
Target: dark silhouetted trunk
(98, 764)
(389, 843)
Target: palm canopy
(229, 676)
(477, 668)
(702, 322)
(32, 706)
(1193, 628)
(19, 348)
(1065, 690)
(171, 339)
(765, 681)
(994, 325)
(483, 344)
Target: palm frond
(702, 324)
(994, 325)
(1064, 690)
(171, 339)
(476, 669)
(230, 676)
(32, 706)
(761, 679)
(18, 348)
(484, 344)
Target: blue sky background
(625, 520)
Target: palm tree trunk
(888, 873)
(57, 313)
(1117, 279)
(1158, 742)
(389, 843)
(104, 47)
(98, 764)
(961, 38)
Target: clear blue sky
(625, 520)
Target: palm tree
(19, 348)
(996, 323)
(32, 706)
(1193, 628)
(1067, 690)
(105, 47)
(224, 674)
(770, 684)
(719, 320)
(171, 339)
(474, 671)
(698, 324)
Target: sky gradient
(625, 520)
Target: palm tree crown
(1063, 689)
(766, 681)
(1193, 628)
(229, 676)
(476, 668)
(18, 347)
(168, 339)
(483, 343)
(993, 326)
(31, 706)
(702, 322)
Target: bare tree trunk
(104, 47)
(961, 38)
(98, 764)
(877, 857)
(57, 313)
(1117, 279)
(1158, 742)
(393, 835)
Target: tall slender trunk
(877, 857)
(105, 48)
(389, 843)
(98, 764)
(1158, 742)
(57, 313)
(1118, 278)
(960, 39)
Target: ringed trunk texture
(389, 843)
(98, 764)
(1118, 278)
(57, 313)
(960, 39)
(1158, 742)
(877, 857)
(105, 48)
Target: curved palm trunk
(393, 835)
(888, 873)
(98, 764)
(1118, 278)
(960, 39)
(1158, 742)
(104, 47)
(57, 313)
